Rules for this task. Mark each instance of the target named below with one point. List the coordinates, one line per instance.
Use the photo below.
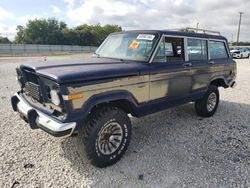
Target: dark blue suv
(133, 72)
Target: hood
(66, 71)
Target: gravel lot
(173, 148)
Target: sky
(218, 15)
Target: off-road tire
(201, 105)
(89, 136)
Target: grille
(33, 90)
(30, 76)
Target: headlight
(54, 97)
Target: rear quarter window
(217, 50)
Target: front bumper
(38, 119)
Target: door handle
(211, 62)
(187, 64)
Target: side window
(217, 50)
(160, 55)
(196, 49)
(171, 49)
(174, 49)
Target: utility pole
(197, 27)
(238, 35)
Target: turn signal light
(75, 96)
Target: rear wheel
(105, 137)
(207, 105)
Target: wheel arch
(219, 82)
(120, 99)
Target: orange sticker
(134, 44)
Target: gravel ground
(173, 148)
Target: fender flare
(227, 83)
(111, 96)
(106, 97)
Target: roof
(179, 33)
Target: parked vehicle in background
(133, 72)
(240, 53)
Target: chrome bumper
(38, 119)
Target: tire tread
(201, 104)
(84, 137)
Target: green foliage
(41, 31)
(241, 44)
(51, 31)
(20, 34)
(93, 35)
(4, 40)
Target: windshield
(127, 46)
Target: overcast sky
(220, 15)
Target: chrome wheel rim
(110, 138)
(211, 102)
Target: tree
(86, 36)
(51, 31)
(41, 31)
(4, 40)
(20, 34)
(70, 37)
(241, 43)
(93, 35)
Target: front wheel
(106, 136)
(207, 105)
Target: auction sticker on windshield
(145, 37)
(134, 44)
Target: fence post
(11, 51)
